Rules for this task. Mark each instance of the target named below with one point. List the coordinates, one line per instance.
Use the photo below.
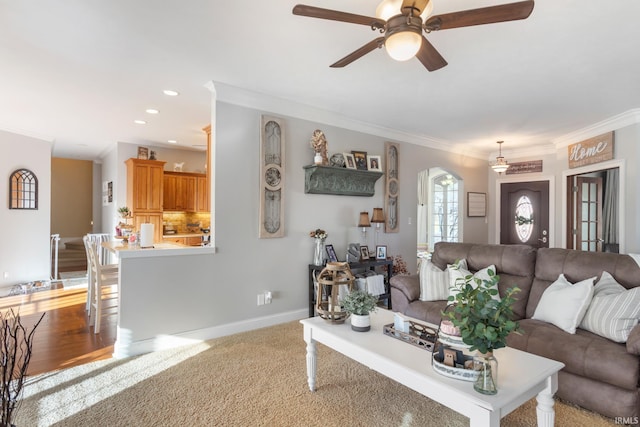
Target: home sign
(590, 151)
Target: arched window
(445, 209)
(439, 209)
(23, 190)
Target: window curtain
(423, 210)
(610, 207)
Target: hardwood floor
(64, 337)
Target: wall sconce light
(364, 224)
(377, 218)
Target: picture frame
(361, 159)
(364, 253)
(476, 204)
(331, 253)
(143, 153)
(349, 161)
(381, 252)
(374, 163)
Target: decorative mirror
(23, 190)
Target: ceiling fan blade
(484, 15)
(429, 56)
(334, 15)
(415, 5)
(359, 53)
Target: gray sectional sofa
(599, 374)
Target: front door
(524, 213)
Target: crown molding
(619, 121)
(275, 105)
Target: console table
(367, 265)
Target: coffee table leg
(311, 364)
(545, 412)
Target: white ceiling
(78, 72)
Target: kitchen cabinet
(202, 193)
(188, 241)
(182, 192)
(144, 193)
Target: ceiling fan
(402, 23)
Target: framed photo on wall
(349, 161)
(331, 253)
(143, 153)
(374, 163)
(381, 252)
(476, 204)
(364, 253)
(361, 160)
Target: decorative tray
(419, 335)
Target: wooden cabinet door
(152, 218)
(169, 193)
(140, 187)
(202, 200)
(185, 193)
(156, 175)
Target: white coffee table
(521, 375)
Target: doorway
(524, 213)
(592, 207)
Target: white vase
(318, 252)
(360, 323)
(317, 159)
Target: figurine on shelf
(319, 144)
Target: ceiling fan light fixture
(390, 8)
(403, 45)
(501, 165)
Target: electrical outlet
(260, 299)
(267, 297)
(6, 275)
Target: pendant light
(501, 164)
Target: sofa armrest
(633, 342)
(408, 285)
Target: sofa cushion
(434, 282)
(633, 342)
(514, 263)
(429, 311)
(583, 353)
(458, 272)
(564, 304)
(613, 311)
(577, 266)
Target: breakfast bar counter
(156, 309)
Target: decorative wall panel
(272, 164)
(392, 188)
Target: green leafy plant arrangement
(359, 302)
(124, 211)
(484, 322)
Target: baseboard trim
(124, 347)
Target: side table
(368, 265)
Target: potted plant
(484, 323)
(124, 212)
(359, 304)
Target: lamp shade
(403, 45)
(378, 215)
(364, 220)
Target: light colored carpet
(256, 378)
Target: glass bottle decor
(318, 252)
(487, 365)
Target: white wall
(24, 251)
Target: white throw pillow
(459, 271)
(564, 304)
(613, 311)
(434, 283)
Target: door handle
(543, 240)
